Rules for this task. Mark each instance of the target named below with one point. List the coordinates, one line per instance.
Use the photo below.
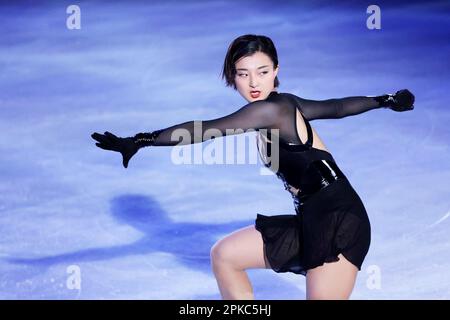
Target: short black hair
(247, 45)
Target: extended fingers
(102, 146)
(110, 135)
(103, 141)
(97, 136)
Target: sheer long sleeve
(255, 115)
(336, 108)
(276, 112)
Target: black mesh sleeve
(336, 108)
(255, 115)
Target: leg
(231, 256)
(331, 281)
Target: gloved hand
(126, 146)
(402, 100)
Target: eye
(264, 72)
(241, 74)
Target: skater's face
(255, 76)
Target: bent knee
(221, 252)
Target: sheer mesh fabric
(275, 112)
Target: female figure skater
(328, 237)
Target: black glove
(402, 100)
(126, 146)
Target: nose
(253, 82)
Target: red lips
(255, 94)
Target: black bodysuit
(329, 221)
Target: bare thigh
(334, 280)
(243, 249)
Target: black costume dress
(330, 217)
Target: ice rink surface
(75, 224)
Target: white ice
(145, 232)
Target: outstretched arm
(403, 100)
(336, 108)
(255, 115)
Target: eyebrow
(247, 69)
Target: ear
(275, 71)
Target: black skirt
(330, 222)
